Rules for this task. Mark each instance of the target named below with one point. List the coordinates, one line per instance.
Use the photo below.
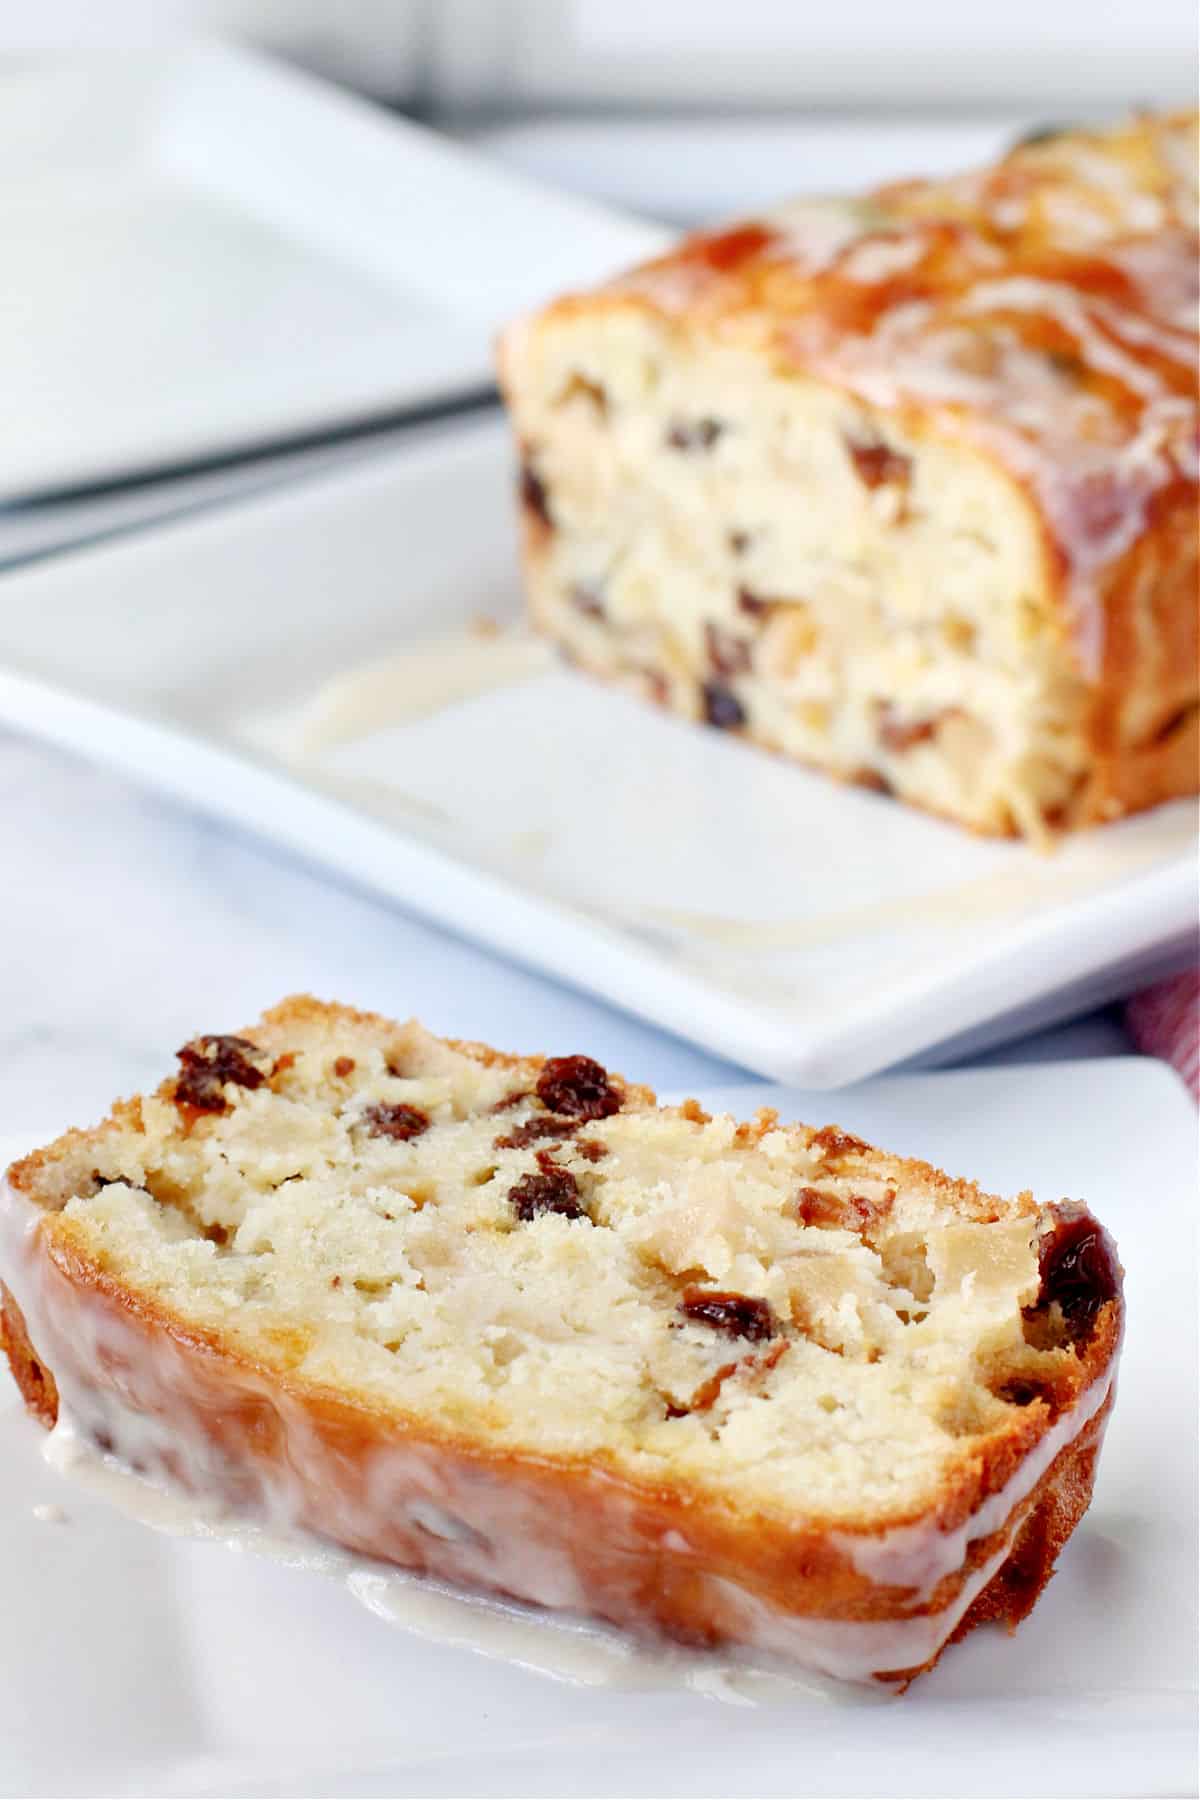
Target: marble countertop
(129, 925)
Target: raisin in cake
(505, 1320)
(904, 487)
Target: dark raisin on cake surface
(585, 598)
(854, 1213)
(551, 1190)
(878, 466)
(208, 1063)
(694, 434)
(737, 1315)
(722, 707)
(831, 1141)
(578, 1086)
(521, 1136)
(533, 495)
(1078, 1275)
(397, 1121)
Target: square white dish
(808, 931)
(262, 255)
(141, 1664)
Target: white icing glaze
(813, 232)
(914, 1557)
(1005, 893)
(395, 690)
(875, 259)
(1077, 315)
(564, 1646)
(148, 1397)
(837, 1646)
(1158, 269)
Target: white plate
(808, 931)
(139, 1664)
(205, 249)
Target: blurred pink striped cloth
(1165, 1021)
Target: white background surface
(493, 51)
(189, 1669)
(927, 52)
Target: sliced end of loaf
(772, 556)
(869, 481)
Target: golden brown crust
(37, 1384)
(1144, 720)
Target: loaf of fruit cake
(903, 486)
(505, 1320)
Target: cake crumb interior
(540, 1257)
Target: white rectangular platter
(807, 931)
(205, 250)
(140, 1664)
